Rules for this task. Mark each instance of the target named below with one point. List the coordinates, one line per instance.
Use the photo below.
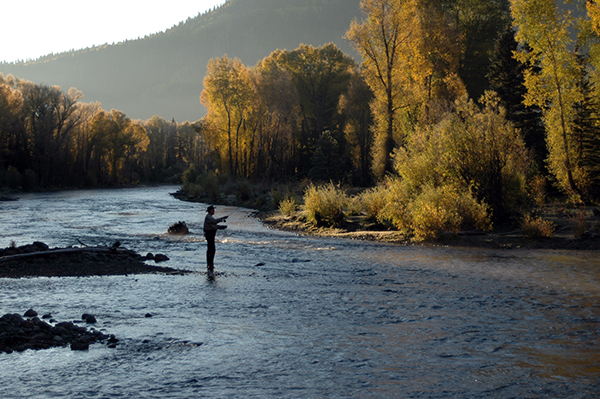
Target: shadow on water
(293, 316)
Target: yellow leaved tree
(410, 53)
(551, 82)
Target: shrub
(433, 212)
(372, 202)
(325, 205)
(190, 175)
(395, 212)
(474, 215)
(195, 190)
(427, 213)
(210, 183)
(13, 177)
(276, 197)
(201, 185)
(29, 180)
(243, 191)
(537, 227)
(288, 206)
(578, 223)
(475, 149)
(537, 187)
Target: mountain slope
(162, 74)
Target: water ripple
(288, 316)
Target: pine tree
(506, 77)
(586, 132)
(327, 163)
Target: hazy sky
(32, 28)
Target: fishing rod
(237, 208)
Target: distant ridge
(162, 74)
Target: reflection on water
(294, 316)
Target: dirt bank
(509, 236)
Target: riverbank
(573, 228)
(507, 237)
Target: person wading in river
(211, 225)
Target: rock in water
(160, 258)
(88, 318)
(179, 228)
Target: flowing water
(290, 316)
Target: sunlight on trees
(546, 29)
(401, 118)
(411, 53)
(48, 138)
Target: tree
(506, 77)
(50, 117)
(325, 161)
(586, 132)
(380, 39)
(277, 113)
(554, 88)
(354, 105)
(85, 145)
(410, 60)
(320, 76)
(12, 134)
(121, 139)
(229, 98)
(479, 23)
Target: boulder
(79, 346)
(179, 228)
(88, 318)
(160, 258)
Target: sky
(30, 29)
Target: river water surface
(291, 316)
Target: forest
(462, 113)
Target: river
(291, 316)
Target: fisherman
(211, 225)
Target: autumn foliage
(456, 113)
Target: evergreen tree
(586, 132)
(326, 160)
(506, 77)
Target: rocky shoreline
(28, 331)
(37, 259)
(19, 333)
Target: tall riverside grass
(325, 205)
(537, 227)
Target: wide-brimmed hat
(209, 208)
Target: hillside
(162, 74)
